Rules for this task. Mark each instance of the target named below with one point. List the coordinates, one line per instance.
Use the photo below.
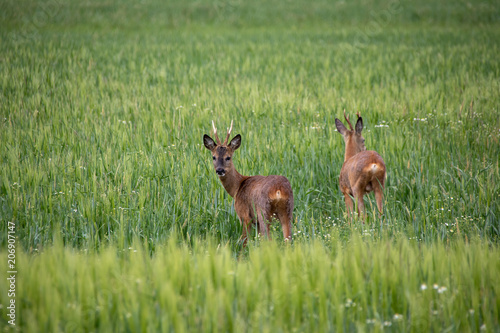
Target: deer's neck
(232, 181)
(350, 150)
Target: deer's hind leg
(286, 225)
(284, 213)
(358, 195)
(264, 226)
(379, 196)
(349, 205)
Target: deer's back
(270, 193)
(366, 166)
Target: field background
(122, 224)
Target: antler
(348, 122)
(215, 133)
(229, 133)
(357, 114)
(217, 137)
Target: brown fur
(363, 171)
(257, 199)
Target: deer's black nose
(220, 171)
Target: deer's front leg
(247, 225)
(245, 219)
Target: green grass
(397, 286)
(103, 106)
(103, 133)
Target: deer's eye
(228, 158)
(213, 157)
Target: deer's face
(223, 160)
(222, 155)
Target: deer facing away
(363, 170)
(257, 199)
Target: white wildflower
(442, 290)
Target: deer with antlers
(257, 199)
(363, 170)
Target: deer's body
(363, 170)
(257, 199)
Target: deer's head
(222, 153)
(354, 142)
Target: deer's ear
(359, 125)
(235, 142)
(340, 127)
(209, 142)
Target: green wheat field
(121, 224)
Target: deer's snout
(220, 171)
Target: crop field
(117, 221)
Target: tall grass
(102, 131)
(177, 14)
(400, 286)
